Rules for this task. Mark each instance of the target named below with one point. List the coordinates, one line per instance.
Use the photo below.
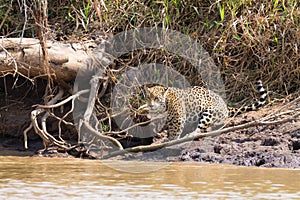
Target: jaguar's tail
(254, 106)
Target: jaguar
(195, 105)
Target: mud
(268, 146)
(265, 146)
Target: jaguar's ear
(146, 89)
(165, 88)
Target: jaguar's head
(156, 97)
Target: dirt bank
(265, 146)
(269, 146)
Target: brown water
(52, 178)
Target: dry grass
(247, 40)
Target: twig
(5, 15)
(113, 140)
(64, 101)
(135, 125)
(200, 135)
(25, 135)
(65, 122)
(46, 137)
(47, 114)
(288, 105)
(13, 59)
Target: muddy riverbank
(264, 146)
(269, 146)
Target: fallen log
(24, 56)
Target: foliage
(247, 39)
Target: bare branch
(113, 140)
(42, 132)
(153, 147)
(64, 101)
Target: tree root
(42, 132)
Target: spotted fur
(195, 104)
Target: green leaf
(221, 10)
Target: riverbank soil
(264, 146)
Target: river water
(60, 178)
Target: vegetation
(247, 39)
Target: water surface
(58, 178)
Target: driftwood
(24, 57)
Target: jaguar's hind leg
(205, 121)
